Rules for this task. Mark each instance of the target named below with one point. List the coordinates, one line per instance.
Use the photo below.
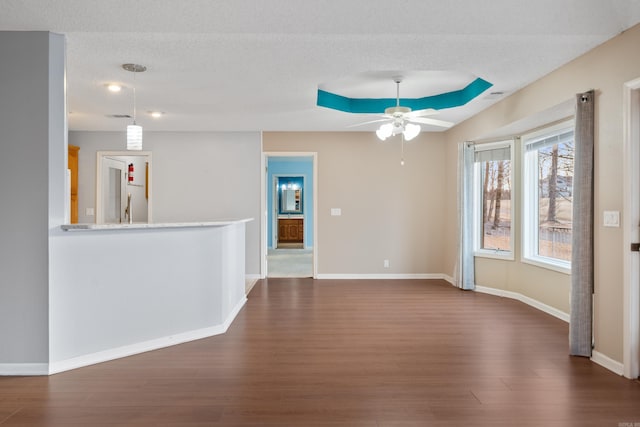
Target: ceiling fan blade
(422, 113)
(433, 122)
(367, 123)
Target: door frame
(276, 206)
(264, 235)
(100, 193)
(148, 178)
(631, 228)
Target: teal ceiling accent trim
(378, 105)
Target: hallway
(290, 263)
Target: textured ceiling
(256, 65)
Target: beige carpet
(290, 245)
(290, 263)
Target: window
(548, 197)
(492, 193)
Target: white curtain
(464, 276)
(580, 327)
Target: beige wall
(389, 211)
(604, 69)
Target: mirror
(290, 194)
(123, 187)
(291, 200)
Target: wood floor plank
(333, 353)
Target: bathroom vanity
(291, 229)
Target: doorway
(113, 185)
(289, 202)
(288, 212)
(123, 187)
(631, 224)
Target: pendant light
(134, 131)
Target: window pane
(496, 205)
(555, 199)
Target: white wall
(197, 176)
(115, 293)
(32, 173)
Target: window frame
(502, 254)
(530, 200)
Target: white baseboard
(142, 347)
(250, 277)
(21, 369)
(596, 357)
(449, 279)
(525, 299)
(380, 276)
(249, 282)
(608, 363)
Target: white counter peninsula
(121, 289)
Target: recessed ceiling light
(113, 87)
(156, 114)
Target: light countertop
(142, 226)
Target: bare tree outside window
(496, 205)
(555, 200)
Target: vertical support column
(32, 176)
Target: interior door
(274, 213)
(631, 221)
(114, 191)
(635, 135)
(72, 160)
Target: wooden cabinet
(73, 167)
(290, 230)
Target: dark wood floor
(345, 353)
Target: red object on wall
(130, 179)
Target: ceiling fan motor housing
(397, 111)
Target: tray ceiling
(251, 65)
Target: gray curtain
(464, 275)
(580, 328)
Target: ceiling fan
(402, 120)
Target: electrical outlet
(386, 263)
(88, 212)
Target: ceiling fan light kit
(411, 131)
(401, 123)
(385, 131)
(433, 91)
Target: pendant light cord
(134, 97)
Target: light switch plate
(336, 211)
(611, 218)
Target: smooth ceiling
(249, 65)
